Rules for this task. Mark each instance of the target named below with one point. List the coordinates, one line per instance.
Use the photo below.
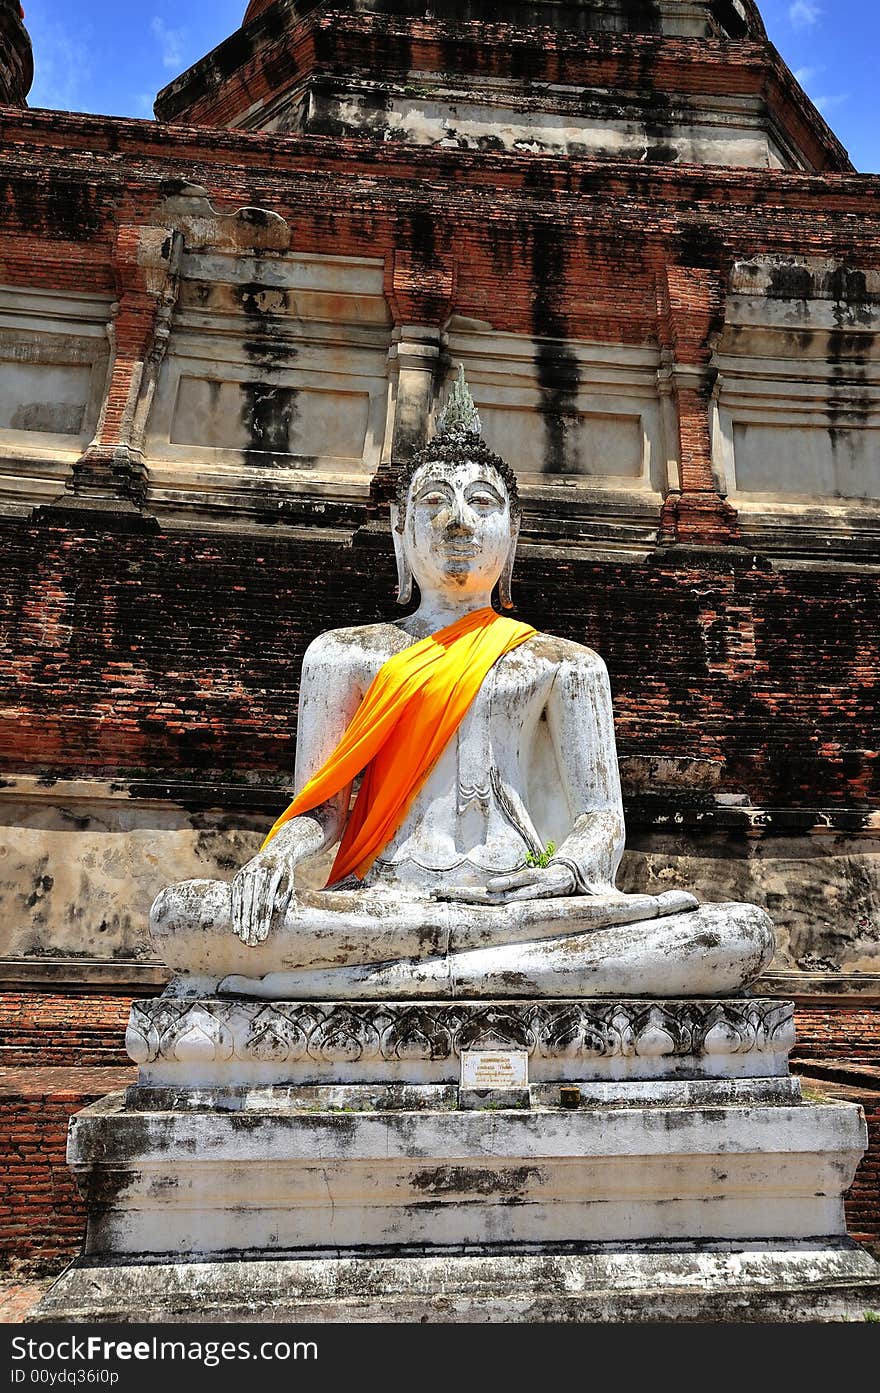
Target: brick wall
(42, 1218)
(53, 1029)
(837, 1055)
(70, 182)
(863, 1199)
(838, 1033)
(178, 656)
(44, 1030)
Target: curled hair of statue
(466, 445)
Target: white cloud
(826, 104)
(171, 42)
(807, 77)
(64, 65)
(803, 14)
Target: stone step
(664, 1283)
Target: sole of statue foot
(612, 904)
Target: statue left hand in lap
(488, 746)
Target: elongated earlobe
(505, 582)
(404, 574)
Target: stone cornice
(77, 142)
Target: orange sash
(413, 707)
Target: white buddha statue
(497, 878)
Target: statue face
(457, 532)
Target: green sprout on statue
(541, 858)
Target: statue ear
(506, 579)
(404, 574)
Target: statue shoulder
(352, 648)
(564, 653)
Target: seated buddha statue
(479, 857)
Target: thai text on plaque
(494, 1069)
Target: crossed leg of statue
(350, 945)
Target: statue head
(456, 519)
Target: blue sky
(112, 56)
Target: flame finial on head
(459, 416)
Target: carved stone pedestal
(226, 1043)
(325, 1143)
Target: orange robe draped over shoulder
(413, 707)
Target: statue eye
(434, 500)
(485, 500)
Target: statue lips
(458, 545)
(458, 557)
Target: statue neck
(438, 610)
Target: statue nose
(462, 519)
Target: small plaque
(496, 1069)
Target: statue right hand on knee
(261, 893)
(264, 890)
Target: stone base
(304, 1179)
(671, 1282)
(313, 1161)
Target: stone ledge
(670, 800)
(440, 1097)
(658, 1283)
(62, 1082)
(848, 1073)
(86, 975)
(83, 976)
(821, 988)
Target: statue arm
(581, 723)
(330, 693)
